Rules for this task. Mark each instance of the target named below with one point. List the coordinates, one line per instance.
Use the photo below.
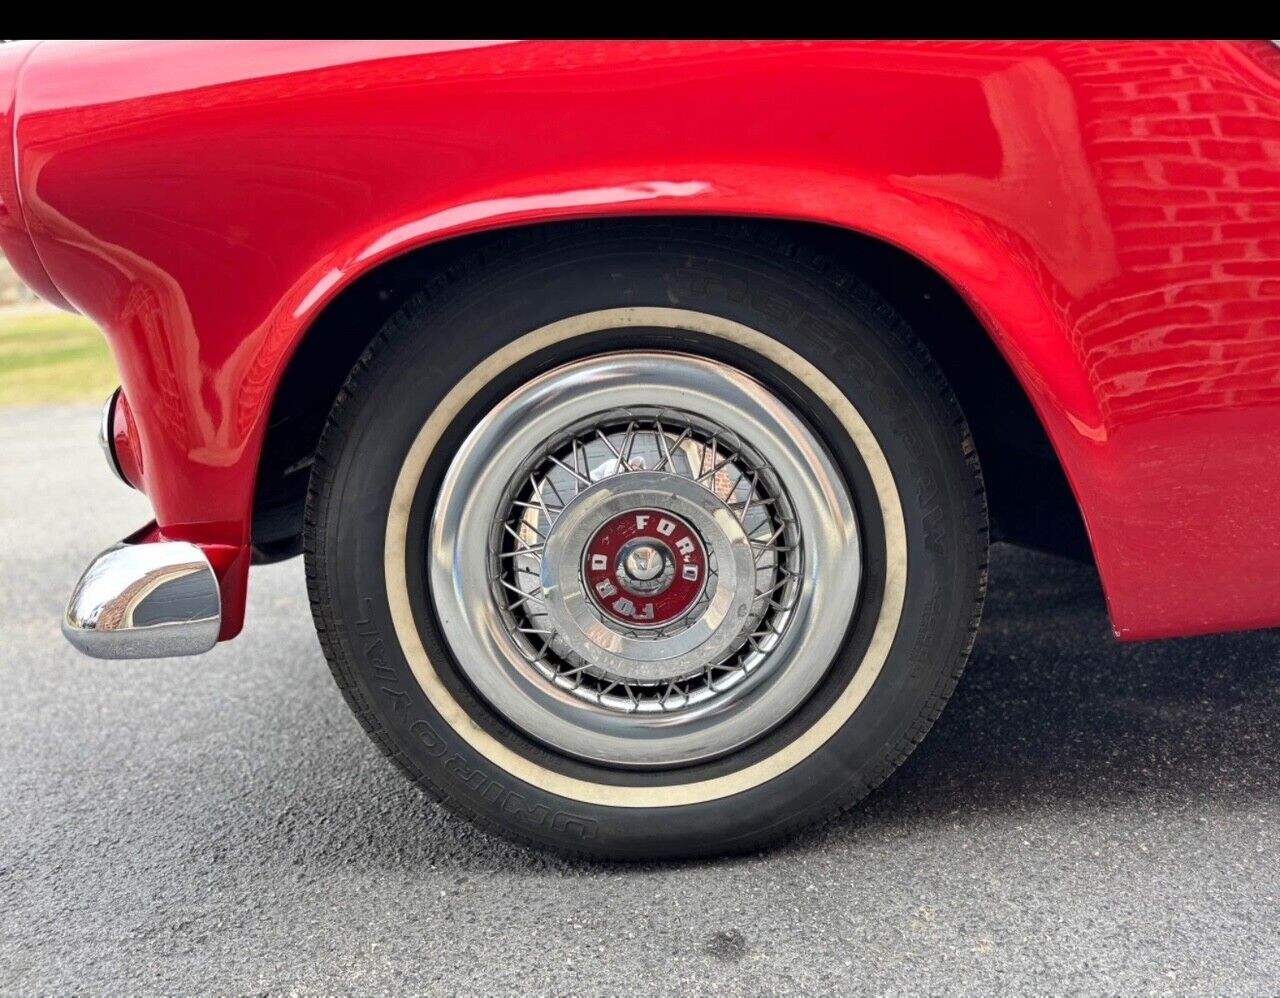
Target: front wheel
(643, 541)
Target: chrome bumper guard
(145, 601)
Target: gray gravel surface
(1087, 816)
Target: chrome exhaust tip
(145, 601)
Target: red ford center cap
(645, 567)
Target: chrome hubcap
(643, 648)
(668, 559)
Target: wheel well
(1029, 499)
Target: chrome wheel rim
(540, 514)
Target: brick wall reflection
(1188, 163)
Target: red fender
(1109, 210)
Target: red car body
(1110, 212)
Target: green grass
(53, 358)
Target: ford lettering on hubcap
(646, 567)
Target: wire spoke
(524, 594)
(538, 507)
(573, 471)
(719, 467)
(608, 443)
(559, 498)
(525, 545)
(628, 442)
(672, 448)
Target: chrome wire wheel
(644, 559)
(690, 566)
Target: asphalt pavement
(1086, 816)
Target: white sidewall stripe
(604, 794)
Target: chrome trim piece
(145, 601)
(106, 438)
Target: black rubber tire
(516, 283)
